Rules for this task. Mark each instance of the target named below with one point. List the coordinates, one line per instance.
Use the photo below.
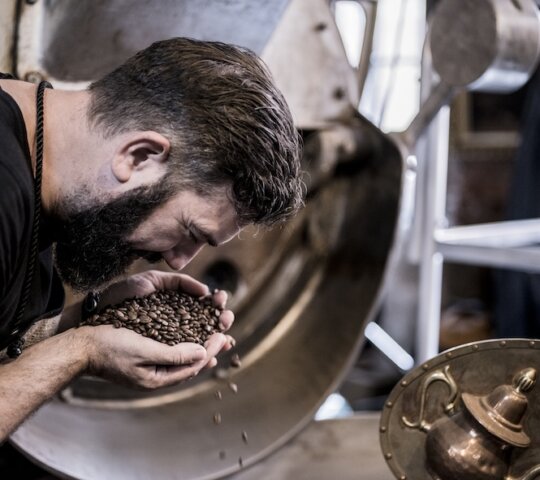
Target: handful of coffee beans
(167, 316)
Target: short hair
(227, 122)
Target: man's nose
(177, 258)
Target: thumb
(181, 354)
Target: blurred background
(419, 232)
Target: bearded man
(183, 145)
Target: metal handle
(437, 376)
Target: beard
(91, 243)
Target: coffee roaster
(302, 293)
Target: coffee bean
(217, 418)
(233, 387)
(166, 316)
(218, 395)
(235, 361)
(221, 373)
(244, 436)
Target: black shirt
(16, 217)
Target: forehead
(190, 201)
(215, 210)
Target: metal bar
(527, 259)
(439, 96)
(387, 345)
(370, 10)
(433, 160)
(511, 234)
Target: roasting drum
(302, 292)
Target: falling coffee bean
(235, 361)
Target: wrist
(81, 339)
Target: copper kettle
(477, 442)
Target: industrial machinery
(302, 293)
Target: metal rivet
(403, 477)
(502, 343)
(449, 354)
(338, 93)
(532, 344)
(425, 366)
(404, 383)
(388, 456)
(475, 347)
(383, 429)
(389, 404)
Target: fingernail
(200, 353)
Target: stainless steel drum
(302, 293)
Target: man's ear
(142, 154)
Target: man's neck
(65, 131)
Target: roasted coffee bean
(167, 316)
(221, 373)
(233, 387)
(235, 361)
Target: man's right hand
(123, 356)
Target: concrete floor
(342, 449)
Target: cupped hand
(145, 283)
(126, 357)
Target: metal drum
(302, 293)
(487, 45)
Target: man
(181, 146)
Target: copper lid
(501, 412)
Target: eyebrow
(205, 235)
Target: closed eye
(192, 236)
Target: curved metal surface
(299, 332)
(488, 45)
(302, 293)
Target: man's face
(99, 243)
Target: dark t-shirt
(16, 217)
